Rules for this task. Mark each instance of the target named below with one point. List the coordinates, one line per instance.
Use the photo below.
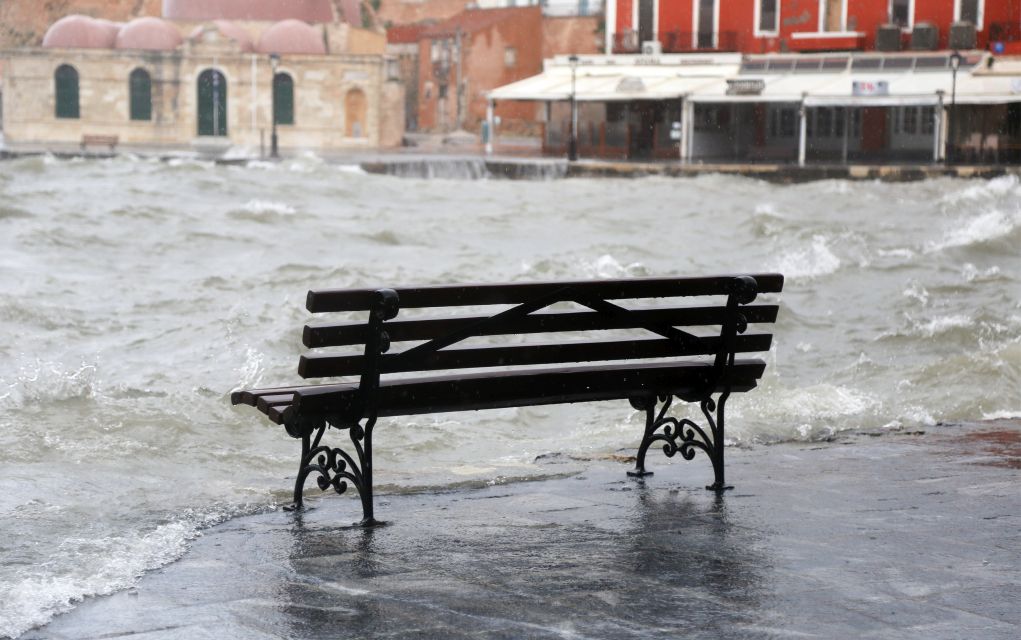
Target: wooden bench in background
(98, 140)
(649, 352)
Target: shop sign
(630, 84)
(870, 88)
(1015, 85)
(745, 87)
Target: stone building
(201, 77)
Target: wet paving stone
(903, 536)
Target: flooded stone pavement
(904, 535)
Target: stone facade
(347, 98)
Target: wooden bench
(645, 355)
(98, 140)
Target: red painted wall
(737, 18)
(624, 15)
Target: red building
(769, 26)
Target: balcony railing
(679, 41)
(688, 41)
(1004, 32)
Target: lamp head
(274, 61)
(573, 59)
(955, 60)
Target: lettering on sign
(745, 87)
(870, 88)
(630, 85)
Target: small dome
(81, 32)
(230, 30)
(312, 11)
(149, 33)
(292, 36)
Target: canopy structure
(604, 79)
(913, 80)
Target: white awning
(706, 80)
(868, 90)
(616, 82)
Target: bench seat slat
(335, 334)
(321, 365)
(251, 396)
(329, 300)
(471, 392)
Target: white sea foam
(976, 190)
(269, 206)
(982, 228)
(1006, 414)
(809, 262)
(917, 292)
(191, 163)
(606, 266)
(808, 413)
(899, 254)
(250, 372)
(971, 273)
(42, 382)
(352, 168)
(97, 566)
(942, 324)
(239, 152)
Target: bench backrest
(721, 321)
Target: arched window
(354, 110)
(140, 88)
(66, 90)
(212, 103)
(283, 99)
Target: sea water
(136, 294)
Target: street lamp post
(955, 64)
(274, 62)
(572, 145)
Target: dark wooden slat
(327, 300)
(326, 365)
(335, 334)
(265, 402)
(523, 388)
(251, 396)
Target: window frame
(911, 14)
(822, 17)
(134, 100)
(63, 92)
(283, 81)
(980, 9)
(757, 30)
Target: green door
(212, 103)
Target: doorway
(212, 103)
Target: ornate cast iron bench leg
(336, 467)
(683, 435)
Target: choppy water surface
(136, 294)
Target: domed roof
(81, 32)
(292, 36)
(228, 29)
(312, 11)
(149, 33)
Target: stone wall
(571, 34)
